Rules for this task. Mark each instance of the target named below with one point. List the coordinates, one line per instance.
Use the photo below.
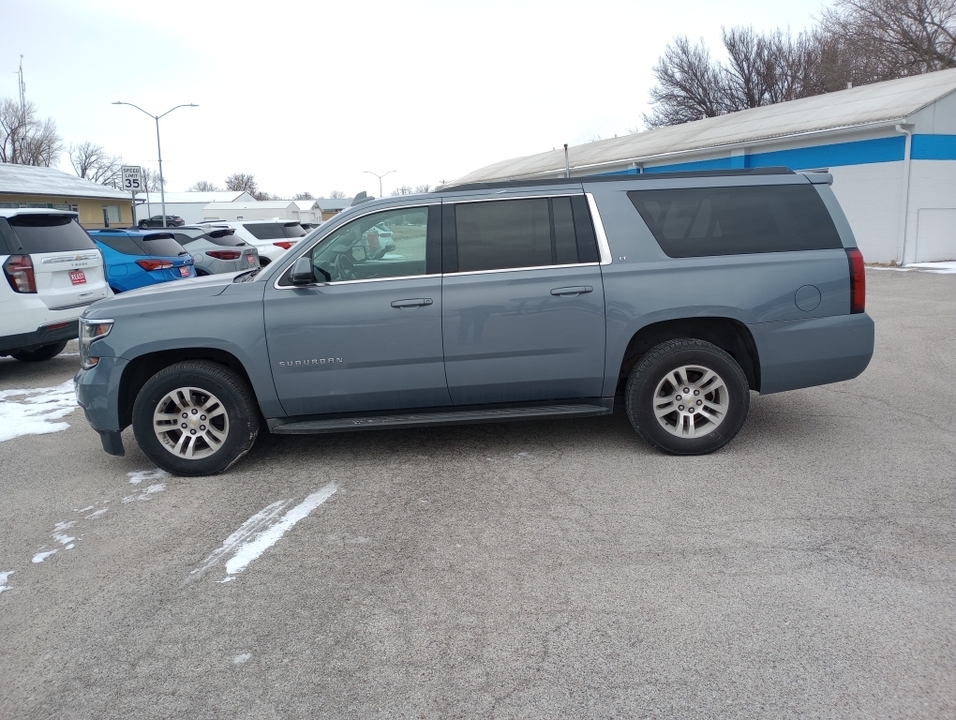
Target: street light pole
(379, 178)
(159, 151)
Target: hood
(176, 294)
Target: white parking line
(262, 531)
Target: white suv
(270, 237)
(51, 271)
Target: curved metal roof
(30, 180)
(879, 103)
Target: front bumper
(98, 393)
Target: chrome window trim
(520, 269)
(331, 231)
(603, 247)
(499, 198)
(277, 286)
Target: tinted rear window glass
(160, 246)
(266, 231)
(120, 243)
(49, 233)
(503, 234)
(737, 220)
(295, 230)
(225, 238)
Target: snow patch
(137, 476)
(35, 413)
(146, 494)
(240, 659)
(940, 268)
(262, 531)
(3, 579)
(41, 556)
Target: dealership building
(890, 147)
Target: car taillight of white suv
(19, 272)
(52, 271)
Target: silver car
(216, 250)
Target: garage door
(936, 235)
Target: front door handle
(578, 290)
(412, 302)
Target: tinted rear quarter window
(120, 243)
(48, 233)
(294, 230)
(697, 222)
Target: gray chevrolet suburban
(675, 294)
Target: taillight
(224, 254)
(857, 280)
(284, 244)
(19, 272)
(154, 264)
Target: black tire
(657, 403)
(44, 352)
(188, 389)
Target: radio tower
(23, 89)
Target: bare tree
(337, 195)
(24, 138)
(689, 85)
(403, 190)
(894, 38)
(303, 196)
(243, 182)
(92, 162)
(856, 42)
(205, 186)
(151, 180)
(423, 188)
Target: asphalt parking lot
(533, 570)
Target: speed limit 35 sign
(132, 178)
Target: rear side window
(48, 233)
(700, 222)
(536, 232)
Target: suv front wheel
(195, 418)
(687, 397)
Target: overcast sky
(308, 95)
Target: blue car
(137, 258)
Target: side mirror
(302, 272)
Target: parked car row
(52, 268)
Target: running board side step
(448, 417)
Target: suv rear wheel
(195, 418)
(687, 397)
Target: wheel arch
(142, 368)
(732, 336)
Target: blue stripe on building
(861, 152)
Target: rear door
(522, 301)
(67, 267)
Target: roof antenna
(567, 163)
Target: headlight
(91, 330)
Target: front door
(366, 337)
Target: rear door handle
(412, 302)
(578, 290)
